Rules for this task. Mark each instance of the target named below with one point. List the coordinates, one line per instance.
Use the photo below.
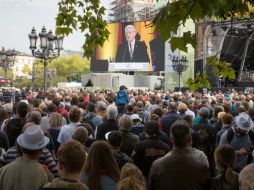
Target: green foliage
(9, 73)
(22, 82)
(221, 68)
(86, 16)
(65, 66)
(26, 69)
(200, 81)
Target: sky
(17, 17)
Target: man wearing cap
(241, 138)
(25, 173)
(137, 126)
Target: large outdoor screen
(130, 42)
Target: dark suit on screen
(139, 53)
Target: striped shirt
(45, 158)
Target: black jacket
(147, 151)
(106, 126)
(139, 53)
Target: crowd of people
(127, 140)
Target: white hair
(130, 27)
(112, 112)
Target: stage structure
(115, 80)
(230, 41)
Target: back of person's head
(130, 183)
(188, 119)
(131, 170)
(80, 134)
(158, 111)
(125, 122)
(112, 112)
(140, 104)
(180, 134)
(172, 106)
(155, 117)
(217, 110)
(34, 116)
(182, 108)
(75, 114)
(246, 178)
(37, 102)
(152, 129)
(251, 112)
(90, 107)
(22, 109)
(52, 108)
(227, 119)
(204, 112)
(94, 164)
(131, 178)
(55, 120)
(130, 107)
(72, 156)
(3, 114)
(114, 138)
(227, 108)
(241, 109)
(224, 156)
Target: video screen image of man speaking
(132, 50)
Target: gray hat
(244, 121)
(33, 138)
(204, 111)
(101, 105)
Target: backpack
(89, 120)
(121, 98)
(204, 139)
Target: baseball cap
(123, 87)
(135, 117)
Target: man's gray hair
(112, 112)
(130, 27)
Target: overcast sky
(17, 17)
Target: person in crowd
(158, 104)
(182, 162)
(182, 108)
(206, 135)
(3, 116)
(91, 117)
(101, 109)
(4, 142)
(241, 138)
(170, 118)
(137, 126)
(145, 152)
(227, 122)
(67, 131)
(81, 135)
(25, 172)
(129, 139)
(109, 124)
(246, 178)
(55, 124)
(131, 178)
(101, 170)
(114, 139)
(14, 126)
(226, 178)
(143, 113)
(51, 108)
(70, 161)
(122, 98)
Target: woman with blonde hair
(55, 124)
(226, 179)
(101, 171)
(131, 178)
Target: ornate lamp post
(179, 66)
(51, 73)
(7, 59)
(47, 50)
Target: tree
(26, 69)
(167, 22)
(9, 73)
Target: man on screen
(132, 50)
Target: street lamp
(51, 74)
(47, 50)
(179, 65)
(7, 59)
